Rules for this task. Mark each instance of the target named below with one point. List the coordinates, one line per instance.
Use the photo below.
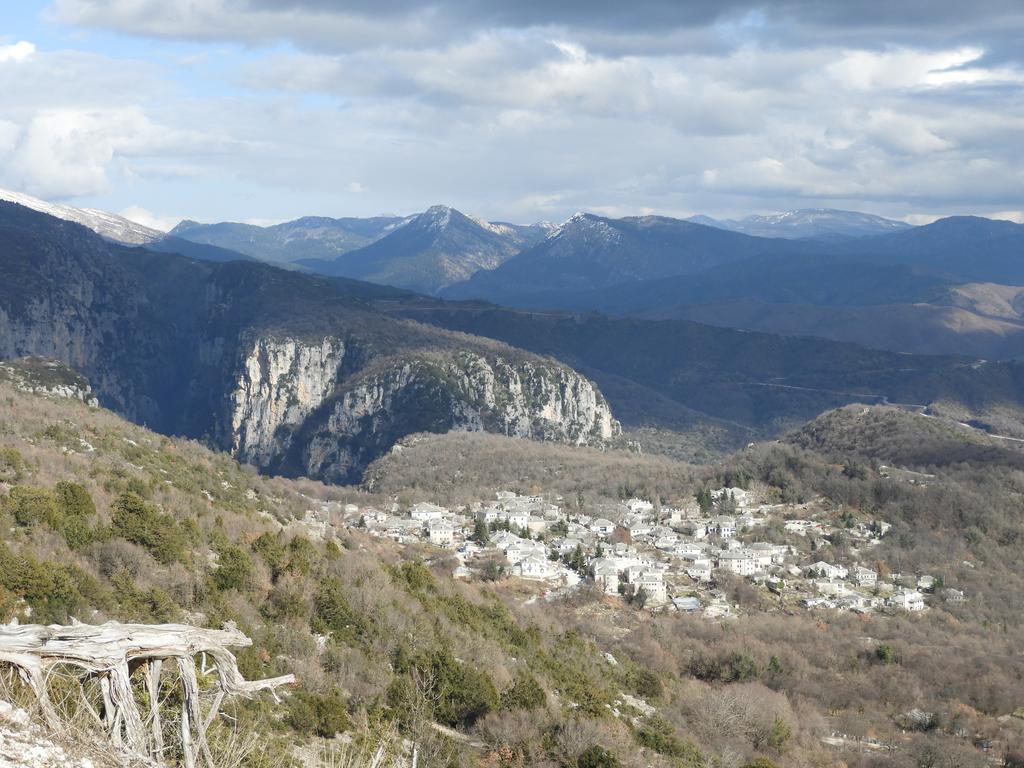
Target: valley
(488, 535)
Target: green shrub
(272, 551)
(149, 605)
(524, 693)
(779, 735)
(301, 556)
(332, 612)
(285, 602)
(31, 506)
(12, 465)
(644, 683)
(462, 694)
(50, 589)
(234, 568)
(657, 733)
(457, 693)
(137, 521)
(320, 714)
(413, 575)
(734, 668)
(885, 654)
(76, 511)
(597, 757)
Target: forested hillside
(108, 520)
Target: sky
(267, 110)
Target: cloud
(641, 25)
(526, 110)
(17, 52)
(149, 219)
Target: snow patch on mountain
(108, 225)
(807, 222)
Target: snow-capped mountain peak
(108, 225)
(437, 216)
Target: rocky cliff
(295, 374)
(294, 410)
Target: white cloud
(523, 120)
(1015, 216)
(149, 219)
(17, 53)
(903, 133)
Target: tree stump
(111, 652)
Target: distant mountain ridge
(806, 223)
(310, 237)
(433, 250)
(590, 252)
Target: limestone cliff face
(294, 374)
(292, 409)
(280, 383)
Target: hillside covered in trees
(104, 519)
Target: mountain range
(949, 287)
(428, 252)
(309, 375)
(807, 222)
(311, 237)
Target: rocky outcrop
(292, 373)
(294, 411)
(44, 376)
(280, 383)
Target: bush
(137, 521)
(458, 693)
(779, 735)
(274, 554)
(31, 506)
(644, 683)
(524, 693)
(143, 604)
(332, 612)
(597, 757)
(234, 568)
(76, 511)
(12, 465)
(301, 556)
(51, 589)
(285, 602)
(657, 734)
(885, 654)
(321, 714)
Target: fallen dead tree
(112, 653)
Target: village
(659, 557)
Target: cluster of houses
(654, 555)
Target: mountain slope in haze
(109, 225)
(294, 373)
(902, 292)
(761, 381)
(915, 328)
(592, 252)
(807, 223)
(968, 248)
(433, 250)
(896, 307)
(311, 237)
(201, 251)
